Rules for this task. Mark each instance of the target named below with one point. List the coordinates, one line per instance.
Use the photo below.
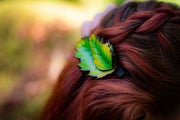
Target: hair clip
(96, 56)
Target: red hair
(146, 39)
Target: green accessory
(95, 56)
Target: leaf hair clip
(96, 56)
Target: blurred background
(36, 37)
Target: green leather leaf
(95, 56)
(101, 53)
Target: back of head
(146, 39)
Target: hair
(146, 41)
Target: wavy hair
(146, 41)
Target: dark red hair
(146, 41)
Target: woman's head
(146, 39)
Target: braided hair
(146, 39)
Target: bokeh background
(36, 37)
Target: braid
(140, 22)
